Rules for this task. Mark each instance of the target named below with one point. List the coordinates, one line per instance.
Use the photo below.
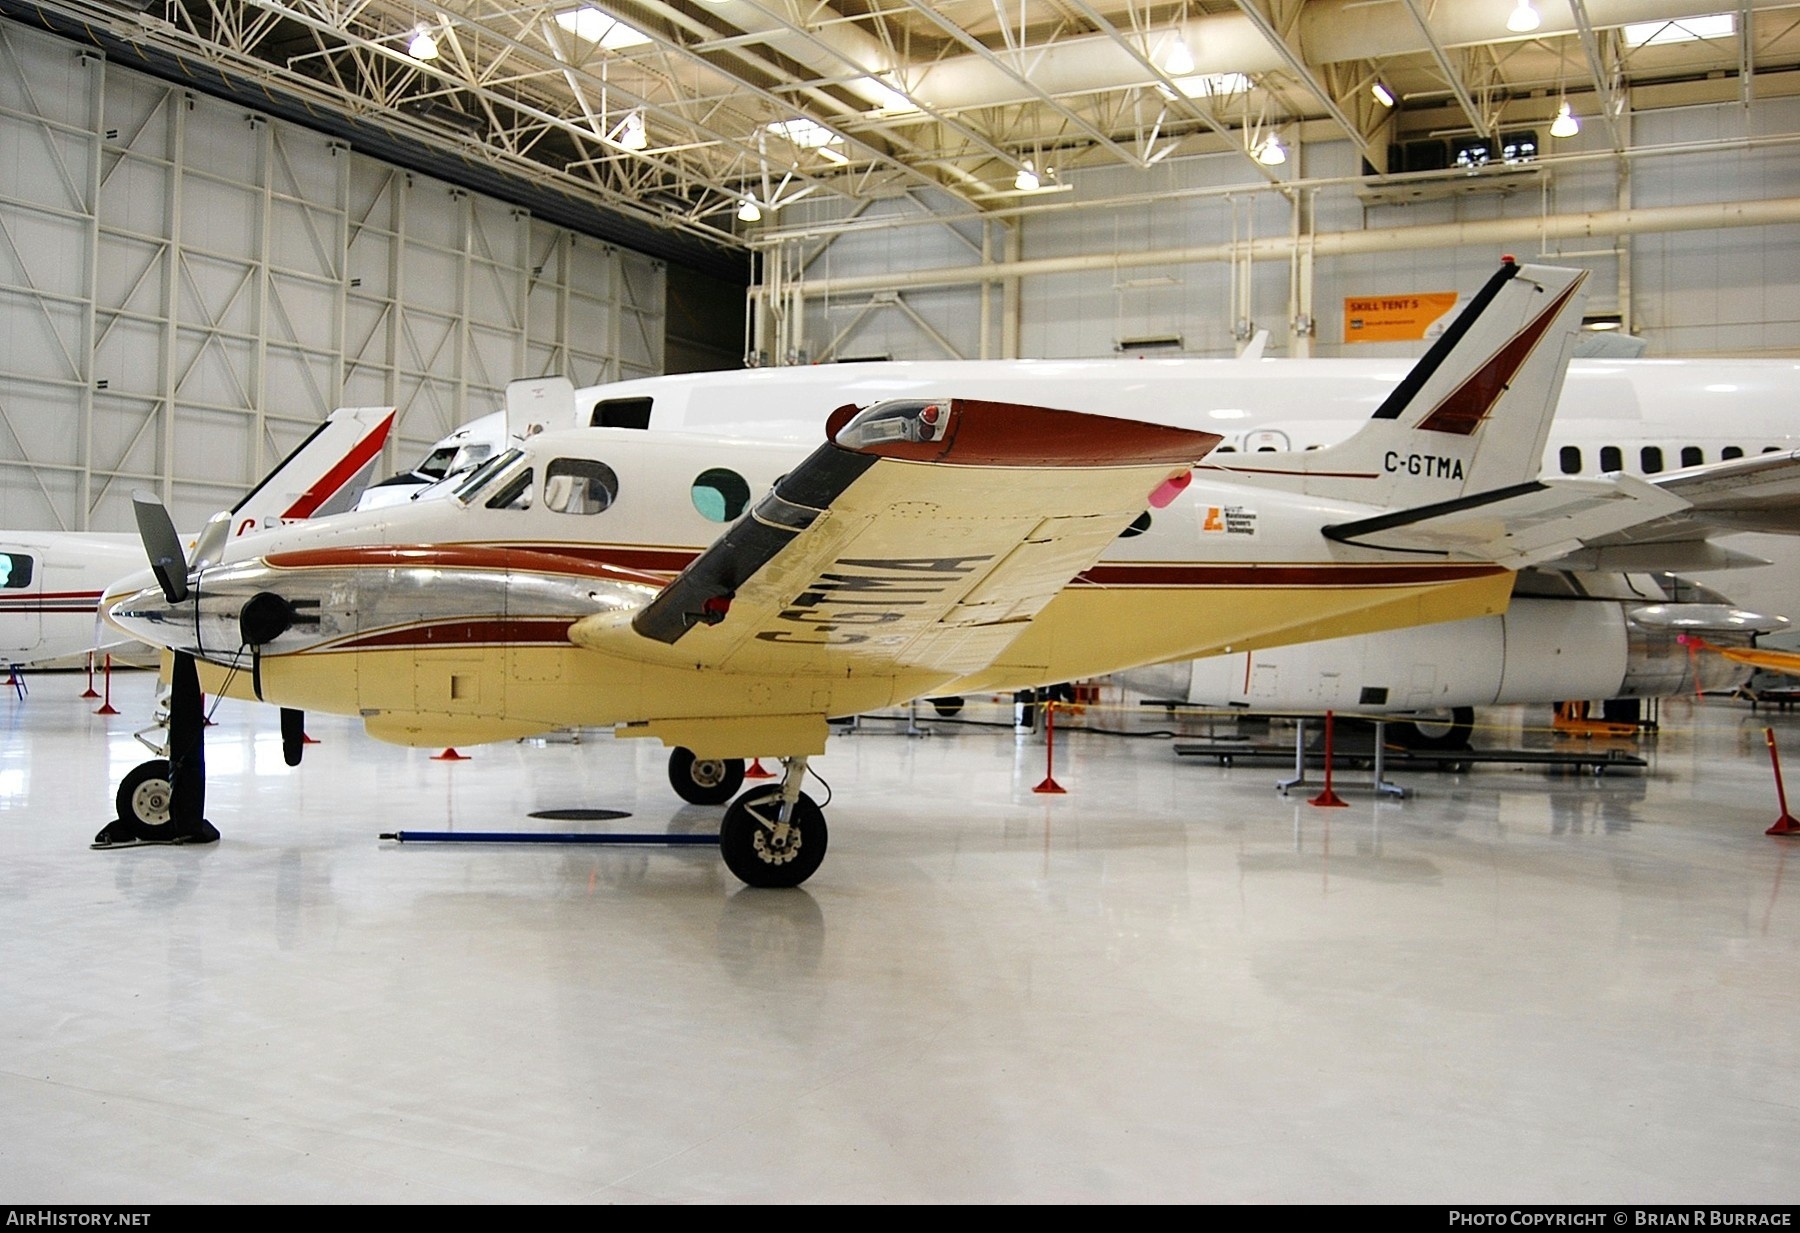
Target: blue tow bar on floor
(540, 837)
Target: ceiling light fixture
(423, 46)
(1382, 94)
(1027, 180)
(1565, 124)
(1180, 61)
(1524, 19)
(632, 134)
(1271, 153)
(749, 211)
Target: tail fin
(1472, 416)
(325, 473)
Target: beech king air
(51, 581)
(931, 546)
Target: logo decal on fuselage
(864, 594)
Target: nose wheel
(774, 836)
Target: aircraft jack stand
(17, 680)
(1382, 785)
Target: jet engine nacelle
(1540, 649)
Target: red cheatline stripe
(347, 467)
(1462, 411)
(544, 630)
(466, 556)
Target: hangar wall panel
(188, 288)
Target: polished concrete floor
(1171, 984)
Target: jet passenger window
(1611, 459)
(1651, 457)
(579, 486)
(1571, 460)
(15, 571)
(621, 413)
(1692, 456)
(1731, 451)
(720, 495)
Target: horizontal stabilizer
(1516, 526)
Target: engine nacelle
(1540, 650)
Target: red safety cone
(449, 755)
(1328, 799)
(756, 771)
(306, 739)
(1785, 824)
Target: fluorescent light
(1027, 180)
(1683, 30)
(423, 46)
(1211, 85)
(1565, 124)
(1524, 19)
(1382, 94)
(1180, 61)
(832, 156)
(596, 27)
(1271, 153)
(748, 211)
(807, 134)
(885, 97)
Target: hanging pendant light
(1565, 124)
(1271, 153)
(1524, 19)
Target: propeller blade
(162, 545)
(213, 538)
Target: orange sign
(1395, 318)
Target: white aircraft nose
(137, 607)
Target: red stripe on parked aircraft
(1462, 411)
(328, 485)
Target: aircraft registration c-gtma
(929, 547)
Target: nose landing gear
(775, 835)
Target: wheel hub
(708, 772)
(778, 845)
(151, 802)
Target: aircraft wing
(924, 536)
(1525, 524)
(1759, 493)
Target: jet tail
(324, 475)
(1472, 416)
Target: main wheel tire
(1435, 731)
(749, 847)
(704, 781)
(145, 794)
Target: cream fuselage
(446, 621)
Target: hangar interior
(219, 222)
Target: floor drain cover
(580, 815)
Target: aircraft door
(1267, 440)
(21, 604)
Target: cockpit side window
(514, 493)
(579, 486)
(437, 463)
(482, 475)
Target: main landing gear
(774, 835)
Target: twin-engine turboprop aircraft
(930, 547)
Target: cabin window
(15, 571)
(1226, 449)
(720, 494)
(621, 413)
(1771, 449)
(1571, 459)
(579, 486)
(1731, 451)
(1138, 526)
(515, 492)
(1651, 458)
(1611, 459)
(1692, 456)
